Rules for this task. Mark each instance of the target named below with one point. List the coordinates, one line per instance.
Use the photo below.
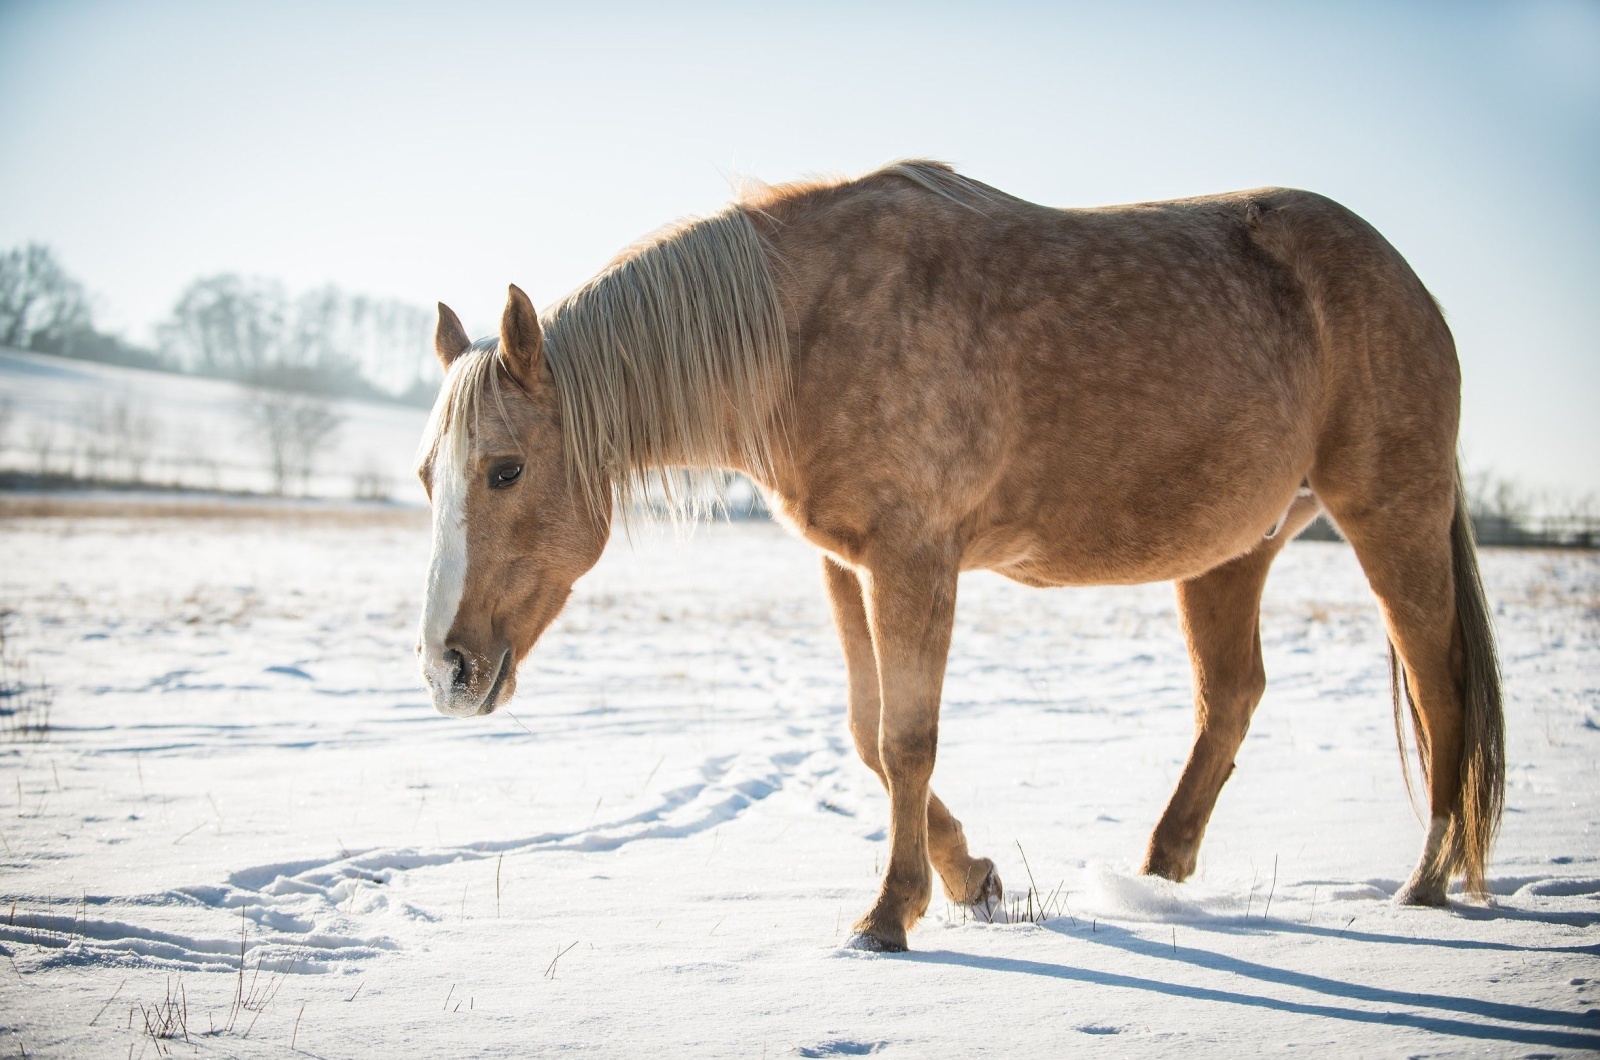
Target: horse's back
(1116, 394)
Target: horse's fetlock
(1228, 733)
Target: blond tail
(1476, 817)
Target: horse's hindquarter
(1114, 395)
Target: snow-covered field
(197, 432)
(661, 853)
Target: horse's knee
(907, 753)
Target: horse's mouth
(491, 701)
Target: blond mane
(673, 362)
(670, 365)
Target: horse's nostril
(458, 667)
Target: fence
(1556, 531)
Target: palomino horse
(925, 375)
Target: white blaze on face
(447, 572)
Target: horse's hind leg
(1220, 610)
(1416, 549)
(967, 880)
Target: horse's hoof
(1422, 892)
(982, 888)
(1169, 865)
(990, 891)
(1165, 872)
(867, 943)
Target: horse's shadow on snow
(1580, 920)
(1567, 1030)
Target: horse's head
(511, 532)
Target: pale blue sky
(432, 152)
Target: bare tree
(227, 325)
(42, 444)
(41, 307)
(294, 429)
(388, 341)
(315, 425)
(339, 336)
(133, 432)
(371, 483)
(325, 340)
(1491, 496)
(92, 421)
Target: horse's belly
(1149, 547)
(1060, 566)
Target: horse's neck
(699, 322)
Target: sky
(439, 152)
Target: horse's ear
(450, 340)
(521, 338)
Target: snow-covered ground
(661, 852)
(198, 432)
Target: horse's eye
(504, 475)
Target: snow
(660, 849)
(199, 431)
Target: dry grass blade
(166, 1020)
(550, 972)
(107, 1005)
(25, 699)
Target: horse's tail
(1476, 816)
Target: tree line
(115, 440)
(324, 341)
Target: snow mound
(1115, 894)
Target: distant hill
(73, 418)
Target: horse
(925, 375)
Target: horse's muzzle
(464, 684)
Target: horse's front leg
(967, 880)
(911, 598)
